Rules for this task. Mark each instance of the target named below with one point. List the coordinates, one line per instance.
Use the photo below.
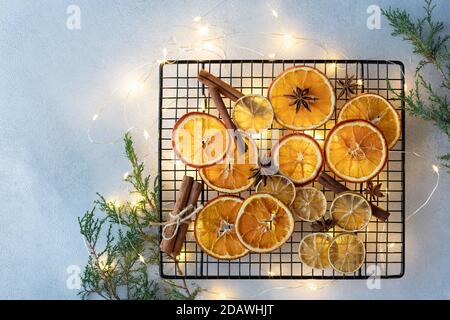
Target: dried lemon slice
(278, 186)
(309, 204)
(253, 113)
(346, 253)
(313, 250)
(351, 211)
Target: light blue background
(52, 81)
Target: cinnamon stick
(212, 81)
(220, 106)
(229, 124)
(180, 204)
(328, 182)
(196, 190)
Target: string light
(271, 273)
(275, 13)
(94, 117)
(271, 55)
(126, 175)
(141, 258)
(435, 168)
(197, 19)
(359, 82)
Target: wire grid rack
(180, 92)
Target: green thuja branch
(123, 247)
(425, 35)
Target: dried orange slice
(309, 204)
(234, 173)
(199, 139)
(278, 186)
(346, 253)
(356, 150)
(253, 113)
(351, 211)
(215, 228)
(298, 157)
(313, 250)
(378, 111)
(264, 223)
(302, 98)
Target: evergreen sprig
(425, 35)
(123, 247)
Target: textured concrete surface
(53, 80)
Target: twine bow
(177, 219)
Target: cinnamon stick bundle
(196, 190)
(328, 182)
(180, 204)
(188, 194)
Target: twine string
(176, 220)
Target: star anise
(374, 191)
(348, 86)
(301, 97)
(264, 170)
(323, 225)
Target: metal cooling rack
(180, 92)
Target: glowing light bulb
(223, 296)
(312, 286)
(94, 117)
(359, 82)
(333, 65)
(126, 175)
(203, 30)
(275, 13)
(181, 257)
(391, 245)
(135, 87)
(435, 168)
(271, 273)
(146, 135)
(271, 55)
(208, 46)
(164, 59)
(197, 19)
(141, 258)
